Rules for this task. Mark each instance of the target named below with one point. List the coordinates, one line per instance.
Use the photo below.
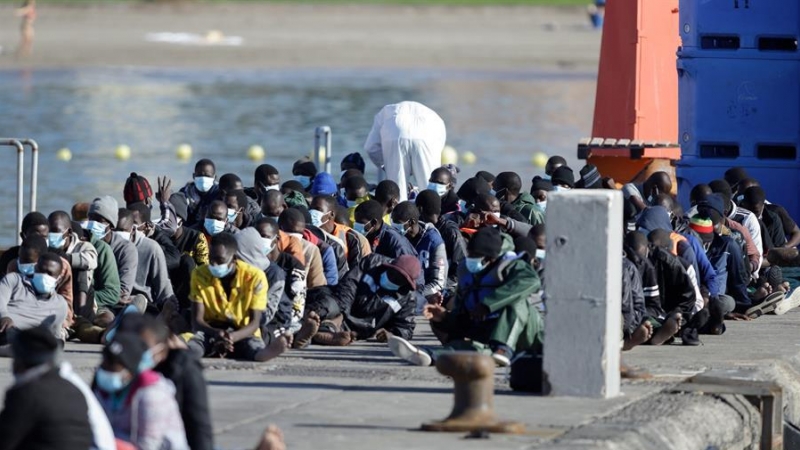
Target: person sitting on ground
(441, 182)
(491, 312)
(385, 240)
(49, 406)
(29, 302)
(80, 213)
(387, 193)
(103, 216)
(293, 223)
(83, 259)
(189, 241)
(152, 278)
(253, 250)
(324, 184)
(168, 355)
(145, 227)
(590, 178)
(486, 212)
(34, 223)
(236, 201)
(456, 247)
(738, 214)
(355, 245)
(139, 403)
(230, 184)
(229, 297)
(378, 297)
(488, 177)
(772, 235)
(790, 228)
(216, 220)
(304, 171)
(636, 330)
(355, 193)
(266, 178)
(272, 205)
(734, 229)
(508, 188)
(467, 193)
(429, 246)
(668, 292)
(200, 192)
(643, 195)
(29, 253)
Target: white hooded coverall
(407, 138)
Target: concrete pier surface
(360, 397)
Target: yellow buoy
(122, 153)
(539, 160)
(184, 152)
(449, 155)
(256, 153)
(64, 154)
(469, 158)
(214, 36)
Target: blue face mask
(56, 240)
(110, 382)
(474, 265)
(269, 244)
(400, 227)
(43, 283)
(232, 213)
(147, 361)
(542, 205)
(441, 189)
(213, 226)
(462, 205)
(220, 271)
(98, 229)
(387, 284)
(560, 189)
(203, 184)
(360, 228)
(26, 269)
(316, 218)
(540, 254)
(304, 180)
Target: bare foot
(272, 439)
(668, 330)
(639, 337)
(307, 330)
(338, 339)
(276, 348)
(631, 373)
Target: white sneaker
(788, 303)
(404, 350)
(501, 360)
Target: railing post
(34, 170)
(322, 155)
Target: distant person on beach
(28, 14)
(407, 140)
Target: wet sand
(281, 36)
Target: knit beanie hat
(323, 184)
(590, 177)
(487, 242)
(107, 208)
(295, 198)
(409, 267)
(137, 189)
(703, 226)
(564, 176)
(540, 184)
(126, 349)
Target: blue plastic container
(732, 24)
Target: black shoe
(689, 337)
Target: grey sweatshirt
(152, 279)
(127, 262)
(20, 303)
(251, 251)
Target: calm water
(502, 118)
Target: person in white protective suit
(407, 139)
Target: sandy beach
(280, 36)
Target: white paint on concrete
(583, 283)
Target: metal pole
(20, 165)
(34, 170)
(322, 155)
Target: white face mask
(124, 235)
(560, 188)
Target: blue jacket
(704, 268)
(726, 257)
(432, 258)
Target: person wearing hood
(201, 191)
(140, 403)
(508, 188)
(429, 246)
(406, 140)
(491, 313)
(49, 406)
(29, 302)
(441, 182)
(253, 250)
(658, 218)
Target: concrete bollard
(473, 408)
(583, 283)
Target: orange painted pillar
(637, 81)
